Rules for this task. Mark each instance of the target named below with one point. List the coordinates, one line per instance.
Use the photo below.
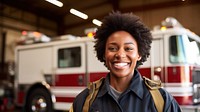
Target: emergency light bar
(90, 32)
(170, 22)
(30, 37)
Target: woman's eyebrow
(114, 43)
(129, 43)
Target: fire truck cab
(175, 60)
(50, 75)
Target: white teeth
(120, 64)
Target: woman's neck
(120, 83)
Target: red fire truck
(175, 60)
(50, 75)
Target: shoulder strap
(156, 95)
(71, 108)
(93, 90)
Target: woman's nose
(120, 54)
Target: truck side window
(177, 49)
(173, 44)
(69, 57)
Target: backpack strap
(156, 95)
(93, 90)
(71, 108)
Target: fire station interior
(19, 17)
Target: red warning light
(24, 32)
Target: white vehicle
(50, 75)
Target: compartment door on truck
(153, 68)
(157, 59)
(70, 65)
(69, 73)
(33, 63)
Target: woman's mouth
(120, 65)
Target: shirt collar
(135, 86)
(105, 86)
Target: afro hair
(128, 22)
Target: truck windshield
(184, 49)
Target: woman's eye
(112, 48)
(128, 49)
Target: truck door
(70, 65)
(157, 59)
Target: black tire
(39, 100)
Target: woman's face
(121, 54)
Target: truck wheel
(39, 101)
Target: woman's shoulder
(166, 95)
(80, 100)
(169, 101)
(82, 96)
(171, 104)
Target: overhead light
(55, 2)
(96, 22)
(78, 13)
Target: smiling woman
(123, 43)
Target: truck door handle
(80, 80)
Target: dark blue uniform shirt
(136, 98)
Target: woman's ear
(139, 58)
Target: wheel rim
(39, 104)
